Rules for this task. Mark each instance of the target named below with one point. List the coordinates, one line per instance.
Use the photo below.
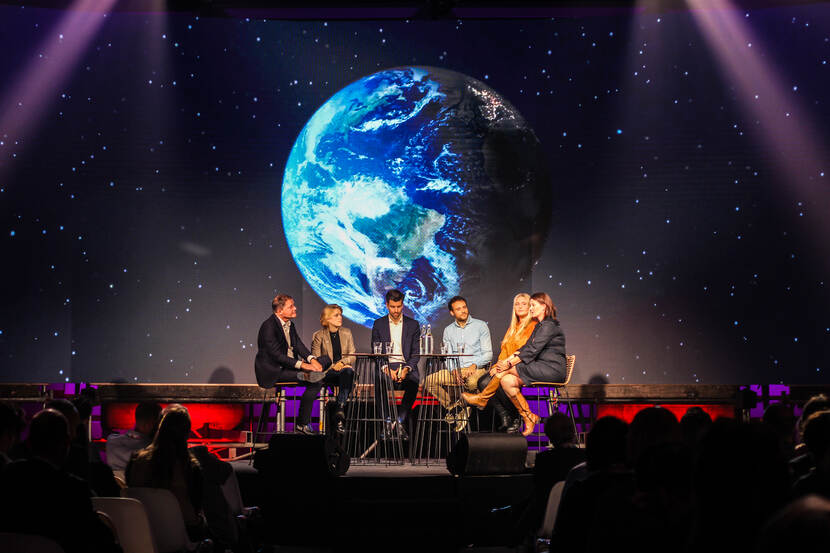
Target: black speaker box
(299, 455)
(481, 453)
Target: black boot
(503, 418)
(339, 419)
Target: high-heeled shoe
(529, 417)
(480, 399)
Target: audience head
(819, 402)
(803, 525)
(83, 405)
(147, 415)
(605, 443)
(559, 430)
(332, 315)
(12, 423)
(542, 299)
(780, 419)
(68, 410)
(284, 307)
(49, 436)
(651, 427)
(174, 428)
(817, 438)
(740, 478)
(694, 424)
(169, 446)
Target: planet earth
(416, 178)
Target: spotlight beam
(785, 130)
(28, 96)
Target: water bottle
(428, 340)
(422, 341)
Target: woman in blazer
(335, 341)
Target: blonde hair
(327, 312)
(517, 325)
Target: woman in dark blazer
(540, 359)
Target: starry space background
(141, 227)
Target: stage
(389, 507)
(224, 415)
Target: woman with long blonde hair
(540, 359)
(519, 330)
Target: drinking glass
(459, 347)
(377, 347)
(390, 347)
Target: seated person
(42, 499)
(475, 337)
(817, 438)
(335, 341)
(167, 463)
(80, 461)
(121, 446)
(12, 423)
(283, 357)
(403, 332)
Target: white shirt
(396, 333)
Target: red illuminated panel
(220, 416)
(627, 411)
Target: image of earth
(416, 178)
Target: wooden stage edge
(583, 393)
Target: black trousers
(343, 378)
(409, 385)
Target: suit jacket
(272, 354)
(545, 349)
(321, 345)
(410, 340)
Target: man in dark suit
(404, 333)
(283, 357)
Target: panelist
(282, 357)
(403, 332)
(520, 329)
(540, 359)
(335, 341)
(474, 335)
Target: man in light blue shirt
(473, 337)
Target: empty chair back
(554, 499)
(27, 543)
(130, 521)
(165, 516)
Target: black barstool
(370, 438)
(436, 435)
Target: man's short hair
(455, 299)
(559, 429)
(49, 433)
(147, 411)
(394, 295)
(279, 302)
